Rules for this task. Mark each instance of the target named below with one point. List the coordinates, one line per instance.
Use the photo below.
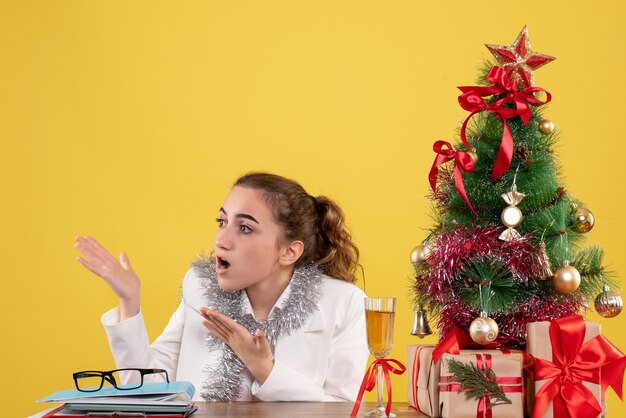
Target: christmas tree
(507, 248)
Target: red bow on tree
(472, 101)
(596, 361)
(462, 161)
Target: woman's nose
(222, 238)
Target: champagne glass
(379, 316)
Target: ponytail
(317, 222)
(338, 256)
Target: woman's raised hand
(253, 349)
(118, 275)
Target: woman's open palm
(253, 349)
(118, 275)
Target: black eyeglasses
(92, 380)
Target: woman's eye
(245, 229)
(221, 222)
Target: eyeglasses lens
(89, 382)
(127, 379)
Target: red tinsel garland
(455, 248)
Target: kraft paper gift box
(423, 379)
(538, 344)
(508, 369)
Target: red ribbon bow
(369, 381)
(455, 341)
(472, 101)
(452, 343)
(596, 361)
(462, 161)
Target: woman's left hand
(253, 349)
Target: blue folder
(173, 393)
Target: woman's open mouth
(221, 265)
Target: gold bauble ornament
(419, 254)
(483, 329)
(583, 220)
(566, 278)
(608, 304)
(546, 126)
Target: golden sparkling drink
(379, 332)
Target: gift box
(539, 346)
(423, 379)
(572, 366)
(508, 370)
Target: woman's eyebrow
(246, 216)
(241, 215)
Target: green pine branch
(477, 382)
(489, 280)
(589, 263)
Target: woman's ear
(291, 252)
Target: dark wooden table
(292, 409)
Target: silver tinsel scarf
(223, 381)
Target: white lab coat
(322, 361)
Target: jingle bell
(420, 324)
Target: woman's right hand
(118, 275)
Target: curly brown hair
(318, 222)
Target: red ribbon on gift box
(415, 375)
(472, 101)
(596, 361)
(369, 381)
(483, 410)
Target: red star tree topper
(518, 60)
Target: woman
(284, 321)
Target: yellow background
(129, 120)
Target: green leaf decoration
(476, 383)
